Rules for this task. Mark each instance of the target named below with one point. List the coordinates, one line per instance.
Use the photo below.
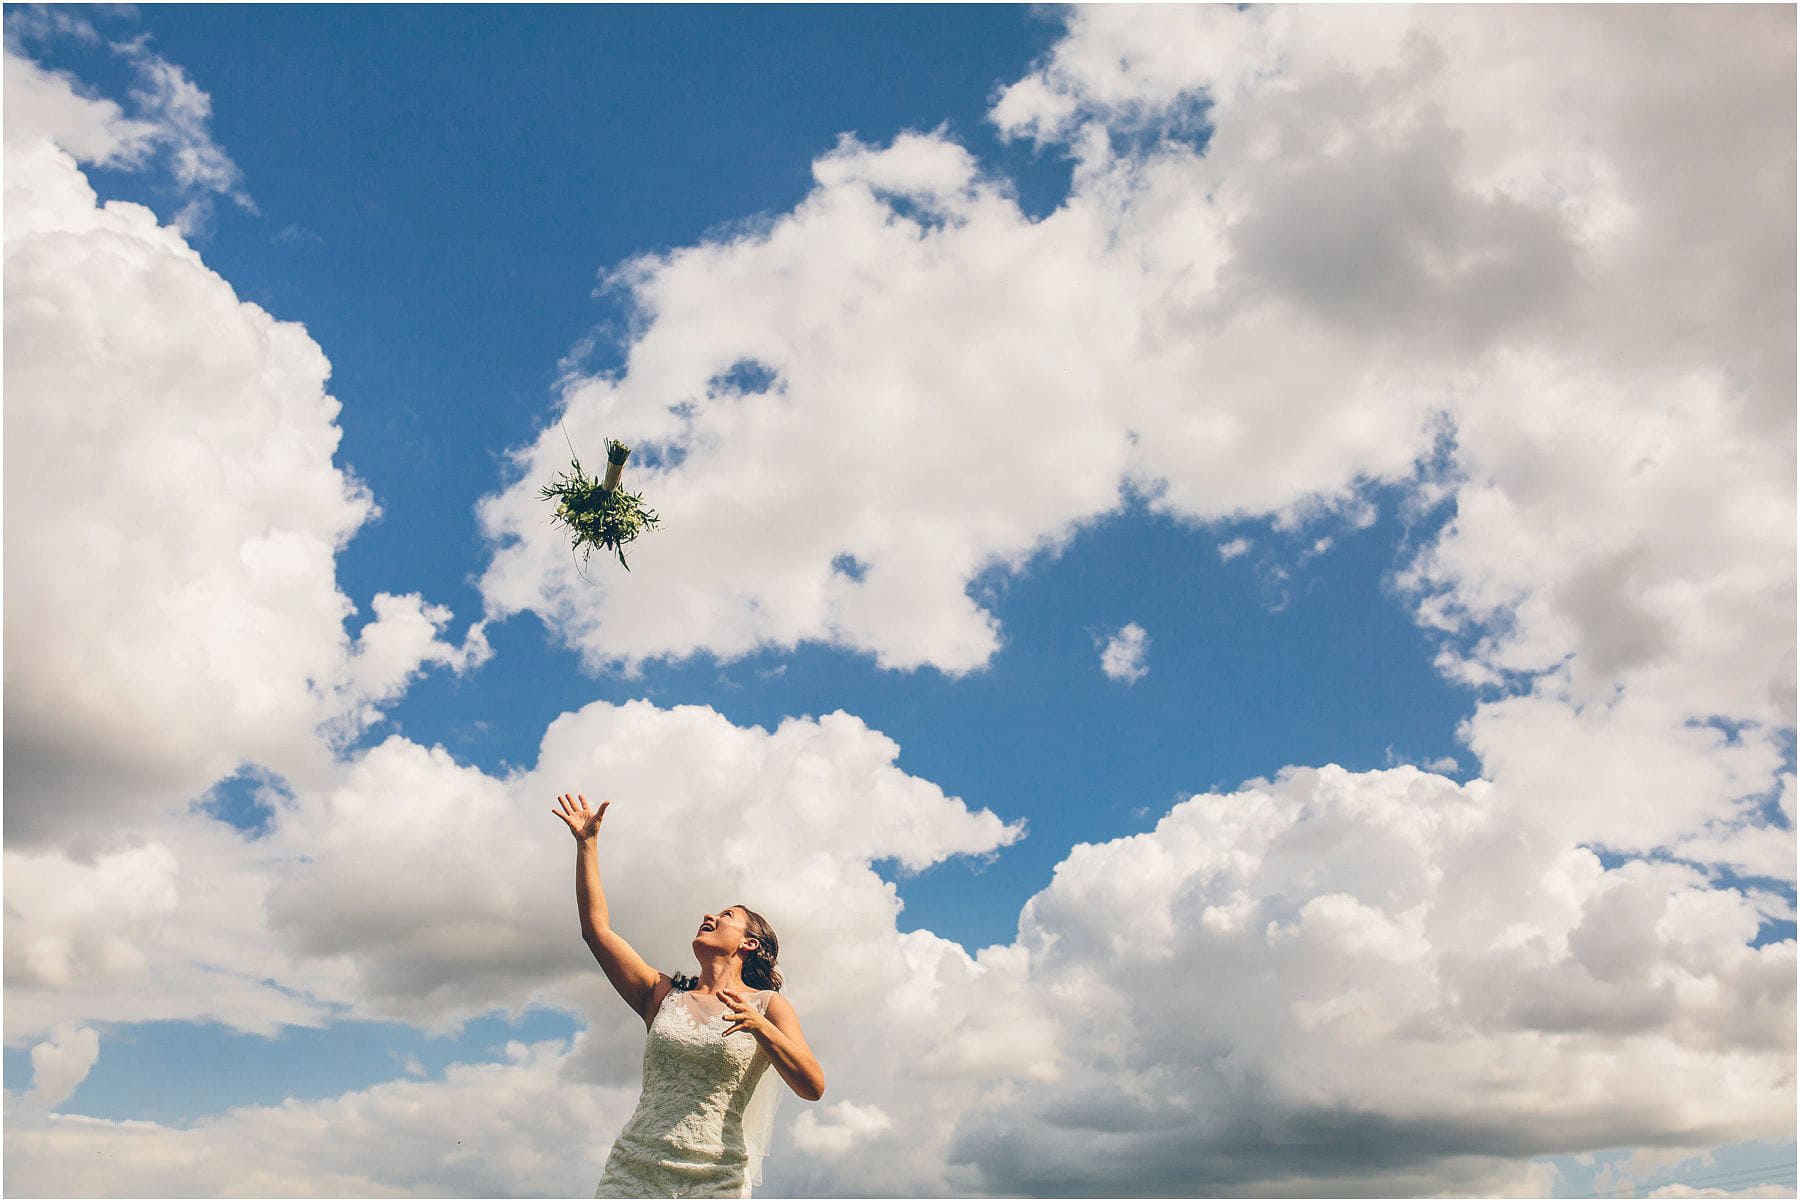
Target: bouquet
(599, 513)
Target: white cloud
(426, 892)
(42, 103)
(838, 1130)
(40, 23)
(1123, 656)
(1315, 903)
(485, 1130)
(1203, 327)
(392, 650)
(171, 120)
(1630, 775)
(447, 893)
(172, 518)
(182, 115)
(1125, 69)
(1229, 551)
(1613, 345)
(1027, 371)
(169, 927)
(60, 1064)
(419, 890)
(66, 931)
(1443, 765)
(917, 166)
(1232, 998)
(1253, 1004)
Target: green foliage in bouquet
(598, 512)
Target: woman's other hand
(744, 1016)
(779, 1034)
(584, 824)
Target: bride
(702, 1122)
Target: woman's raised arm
(635, 980)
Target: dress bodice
(687, 1137)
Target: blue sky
(1466, 587)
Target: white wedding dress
(701, 1128)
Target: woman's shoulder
(659, 993)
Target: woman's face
(723, 931)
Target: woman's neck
(721, 973)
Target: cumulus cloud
(50, 103)
(428, 892)
(172, 514)
(1123, 656)
(514, 1128)
(1615, 347)
(1229, 1003)
(1253, 1007)
(170, 926)
(836, 1131)
(432, 881)
(74, 925)
(907, 323)
(391, 651)
(60, 1064)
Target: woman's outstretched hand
(743, 1015)
(584, 824)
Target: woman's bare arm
(780, 1035)
(634, 980)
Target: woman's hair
(759, 966)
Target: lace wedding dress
(702, 1123)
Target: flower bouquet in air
(599, 513)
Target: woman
(702, 1123)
